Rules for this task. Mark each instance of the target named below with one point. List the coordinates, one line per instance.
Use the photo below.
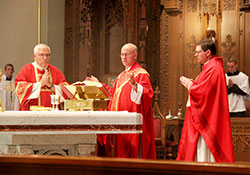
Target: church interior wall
(84, 41)
(181, 24)
(19, 31)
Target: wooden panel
(152, 40)
(229, 31)
(112, 37)
(174, 61)
(232, 38)
(241, 40)
(70, 58)
(96, 31)
(244, 47)
(193, 33)
(164, 63)
(241, 138)
(51, 165)
(240, 132)
(248, 107)
(246, 67)
(170, 3)
(182, 25)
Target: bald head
(128, 54)
(131, 46)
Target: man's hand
(230, 83)
(92, 78)
(45, 79)
(186, 82)
(131, 79)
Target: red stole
(127, 145)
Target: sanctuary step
(52, 165)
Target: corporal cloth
(133, 145)
(208, 115)
(28, 89)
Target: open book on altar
(86, 90)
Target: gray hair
(38, 46)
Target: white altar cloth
(108, 122)
(61, 132)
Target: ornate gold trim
(39, 22)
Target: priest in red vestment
(206, 134)
(38, 80)
(132, 92)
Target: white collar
(129, 68)
(206, 62)
(39, 67)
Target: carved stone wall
(48, 144)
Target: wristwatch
(52, 85)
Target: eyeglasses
(199, 51)
(43, 55)
(125, 54)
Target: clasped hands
(45, 81)
(230, 83)
(186, 82)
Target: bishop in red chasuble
(38, 80)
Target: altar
(65, 133)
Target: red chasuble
(208, 115)
(128, 145)
(24, 81)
